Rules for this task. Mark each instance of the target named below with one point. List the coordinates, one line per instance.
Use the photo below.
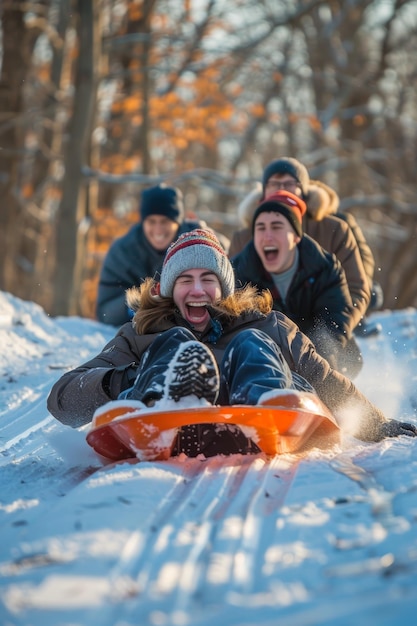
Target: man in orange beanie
(307, 283)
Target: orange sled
(123, 429)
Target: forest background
(102, 98)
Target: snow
(325, 537)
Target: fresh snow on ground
(325, 537)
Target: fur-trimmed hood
(133, 298)
(247, 207)
(321, 201)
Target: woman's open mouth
(196, 311)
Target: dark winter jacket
(77, 394)
(337, 233)
(318, 298)
(128, 262)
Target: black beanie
(288, 165)
(162, 200)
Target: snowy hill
(323, 538)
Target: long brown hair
(153, 309)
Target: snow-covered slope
(327, 537)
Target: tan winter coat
(333, 233)
(323, 202)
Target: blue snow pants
(251, 366)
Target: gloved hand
(393, 428)
(374, 430)
(118, 379)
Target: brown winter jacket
(78, 393)
(323, 202)
(331, 232)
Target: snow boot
(193, 372)
(213, 439)
(175, 365)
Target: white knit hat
(197, 249)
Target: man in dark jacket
(322, 209)
(321, 222)
(139, 254)
(307, 283)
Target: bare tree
(72, 210)
(18, 41)
(200, 95)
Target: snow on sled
(123, 429)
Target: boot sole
(193, 372)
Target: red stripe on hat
(290, 200)
(196, 237)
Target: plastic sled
(123, 429)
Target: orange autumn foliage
(257, 110)
(135, 11)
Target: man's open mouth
(271, 253)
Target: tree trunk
(72, 211)
(14, 68)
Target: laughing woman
(194, 336)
